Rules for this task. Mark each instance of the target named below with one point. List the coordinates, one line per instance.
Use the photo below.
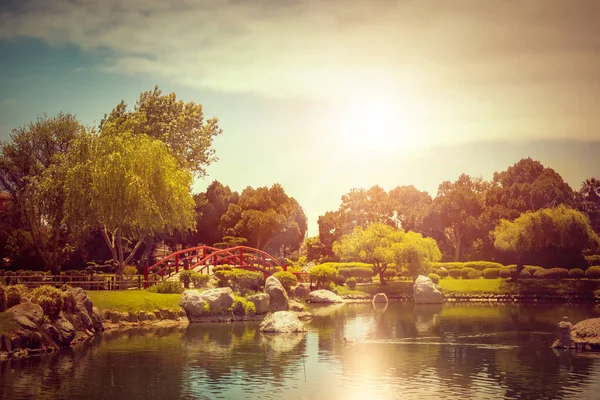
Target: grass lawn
(133, 300)
(346, 291)
(523, 286)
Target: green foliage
(240, 279)
(130, 271)
(524, 274)
(389, 273)
(576, 273)
(593, 272)
(341, 279)
(447, 265)
(532, 268)
(435, 278)
(505, 273)
(560, 227)
(14, 295)
(443, 273)
(49, 298)
(199, 280)
(287, 279)
(138, 174)
(69, 302)
(351, 283)
(454, 273)
(592, 260)
(481, 265)
(2, 298)
(185, 277)
(242, 307)
(491, 273)
(552, 273)
(470, 273)
(322, 275)
(166, 287)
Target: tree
(128, 186)
(31, 171)
(588, 201)
(181, 126)
(410, 207)
(459, 206)
(381, 245)
(266, 216)
(211, 205)
(315, 250)
(554, 229)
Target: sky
(323, 96)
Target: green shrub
(454, 273)
(593, 272)
(245, 280)
(218, 268)
(448, 265)
(14, 295)
(504, 273)
(524, 274)
(481, 265)
(323, 274)
(532, 268)
(199, 280)
(552, 273)
(69, 302)
(130, 271)
(287, 279)
(443, 273)
(491, 273)
(340, 280)
(576, 273)
(363, 273)
(167, 287)
(435, 278)
(185, 277)
(470, 273)
(389, 273)
(241, 306)
(351, 283)
(49, 298)
(345, 272)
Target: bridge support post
(146, 283)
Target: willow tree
(381, 245)
(559, 228)
(127, 186)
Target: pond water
(400, 352)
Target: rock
(301, 291)
(82, 299)
(157, 314)
(28, 312)
(425, 292)
(165, 314)
(278, 296)
(304, 315)
(151, 316)
(261, 302)
(192, 304)
(586, 333)
(142, 316)
(66, 331)
(296, 306)
(380, 298)
(219, 299)
(116, 317)
(324, 296)
(564, 338)
(282, 322)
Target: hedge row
(528, 272)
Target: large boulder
(219, 299)
(261, 302)
(278, 296)
(282, 322)
(28, 315)
(301, 291)
(380, 298)
(192, 303)
(324, 296)
(66, 331)
(425, 292)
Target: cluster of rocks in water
(36, 333)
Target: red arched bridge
(204, 258)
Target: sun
(378, 123)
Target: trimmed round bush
(448, 265)
(481, 265)
(323, 274)
(351, 283)
(361, 273)
(345, 272)
(532, 268)
(49, 298)
(246, 280)
(504, 273)
(340, 280)
(287, 279)
(552, 273)
(185, 277)
(389, 273)
(576, 273)
(593, 272)
(442, 272)
(435, 278)
(470, 273)
(491, 273)
(524, 274)
(241, 306)
(454, 273)
(69, 302)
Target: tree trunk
(381, 277)
(458, 240)
(520, 268)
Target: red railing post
(241, 257)
(177, 263)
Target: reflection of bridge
(204, 258)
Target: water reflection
(391, 351)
